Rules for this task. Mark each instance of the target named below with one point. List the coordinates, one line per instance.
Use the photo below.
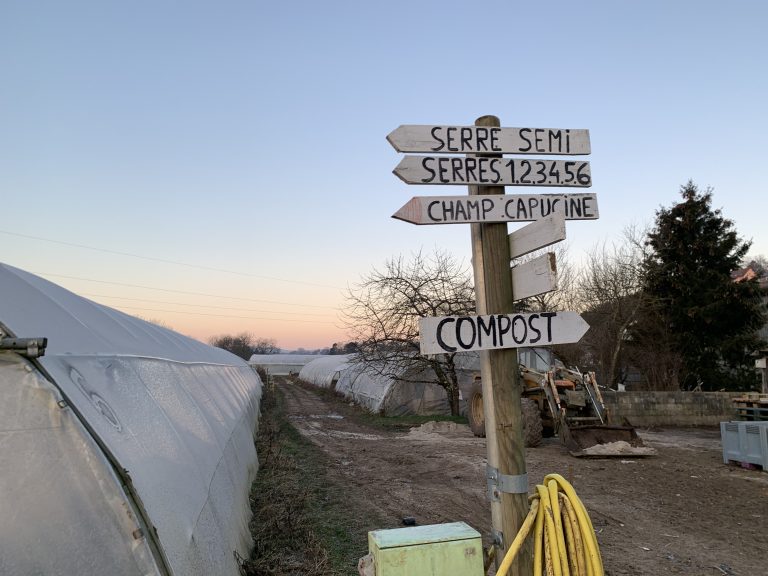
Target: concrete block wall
(656, 408)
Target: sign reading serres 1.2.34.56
(484, 171)
(491, 140)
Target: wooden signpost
(536, 235)
(534, 277)
(497, 208)
(494, 331)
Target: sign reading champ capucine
(497, 208)
(463, 333)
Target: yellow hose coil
(564, 542)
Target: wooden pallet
(752, 407)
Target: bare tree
(245, 344)
(651, 347)
(265, 346)
(609, 289)
(383, 310)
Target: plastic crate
(745, 442)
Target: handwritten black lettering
(482, 169)
(505, 325)
(495, 139)
(461, 211)
(548, 316)
(495, 170)
(575, 206)
(588, 210)
(521, 210)
(518, 319)
(471, 165)
(482, 136)
(489, 330)
(555, 137)
(430, 215)
(424, 163)
(435, 134)
(442, 168)
(473, 209)
(523, 135)
(487, 207)
(534, 330)
(533, 204)
(527, 165)
(457, 165)
(459, 339)
(451, 139)
(442, 343)
(466, 138)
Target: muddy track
(681, 512)
(431, 477)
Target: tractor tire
(475, 412)
(532, 426)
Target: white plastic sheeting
(177, 415)
(282, 364)
(410, 392)
(62, 507)
(325, 371)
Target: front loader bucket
(603, 441)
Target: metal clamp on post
(498, 483)
(29, 347)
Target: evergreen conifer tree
(712, 320)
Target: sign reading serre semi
(463, 333)
(497, 208)
(477, 139)
(484, 171)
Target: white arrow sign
(537, 276)
(485, 171)
(462, 333)
(497, 208)
(539, 234)
(478, 139)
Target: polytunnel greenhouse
(125, 448)
(406, 392)
(281, 364)
(325, 371)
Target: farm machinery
(563, 402)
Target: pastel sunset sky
(223, 166)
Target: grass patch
(302, 524)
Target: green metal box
(436, 550)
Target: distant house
(750, 272)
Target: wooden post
(501, 382)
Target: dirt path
(681, 512)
